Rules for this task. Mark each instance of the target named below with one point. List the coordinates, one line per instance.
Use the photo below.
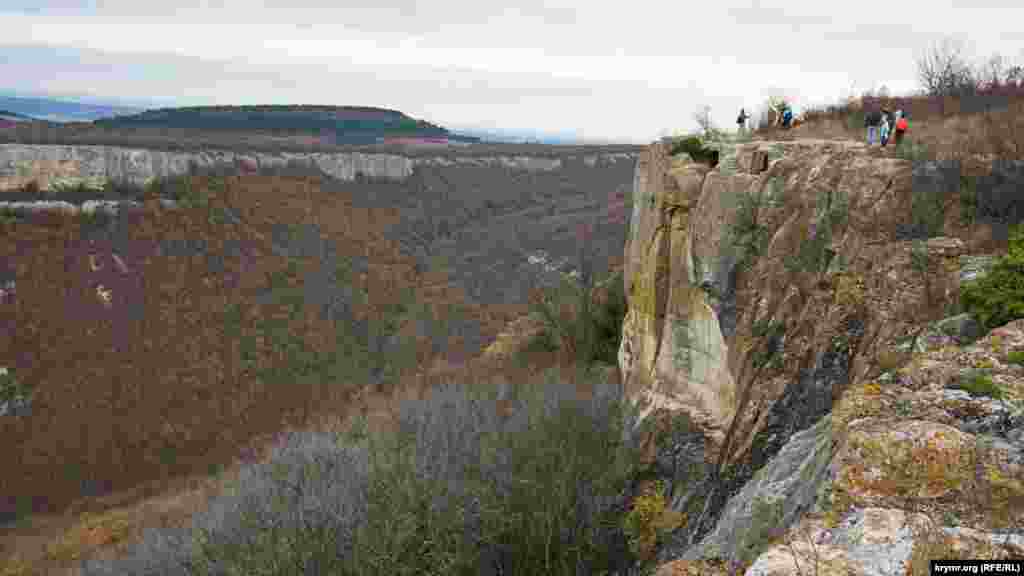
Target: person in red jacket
(901, 127)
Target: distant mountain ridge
(13, 115)
(344, 124)
(56, 110)
(341, 125)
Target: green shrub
(591, 331)
(979, 383)
(968, 199)
(454, 489)
(769, 354)
(814, 254)
(855, 121)
(695, 147)
(179, 188)
(649, 519)
(998, 297)
(13, 393)
(1016, 357)
(541, 495)
(927, 214)
(9, 216)
(748, 231)
(763, 529)
(914, 151)
(919, 260)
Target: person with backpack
(872, 121)
(900, 129)
(741, 121)
(787, 117)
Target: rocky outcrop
(781, 291)
(93, 165)
(88, 207)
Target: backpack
(872, 118)
(902, 124)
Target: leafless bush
(703, 119)
(944, 70)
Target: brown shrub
(153, 385)
(988, 123)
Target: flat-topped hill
(347, 124)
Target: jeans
(871, 134)
(885, 135)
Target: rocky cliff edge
(791, 337)
(53, 166)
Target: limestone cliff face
(771, 298)
(695, 290)
(21, 163)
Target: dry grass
(986, 124)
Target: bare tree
(703, 118)
(1015, 75)
(997, 72)
(943, 69)
(992, 72)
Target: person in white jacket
(884, 128)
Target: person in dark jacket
(872, 121)
(741, 121)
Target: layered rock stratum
(47, 165)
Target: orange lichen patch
(913, 459)
(694, 568)
(91, 533)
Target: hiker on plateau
(777, 107)
(787, 117)
(884, 128)
(741, 121)
(900, 128)
(872, 120)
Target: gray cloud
(609, 71)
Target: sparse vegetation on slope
(582, 318)
(460, 485)
(171, 295)
(998, 297)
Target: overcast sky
(623, 71)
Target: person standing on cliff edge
(741, 121)
(872, 121)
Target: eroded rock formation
(776, 308)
